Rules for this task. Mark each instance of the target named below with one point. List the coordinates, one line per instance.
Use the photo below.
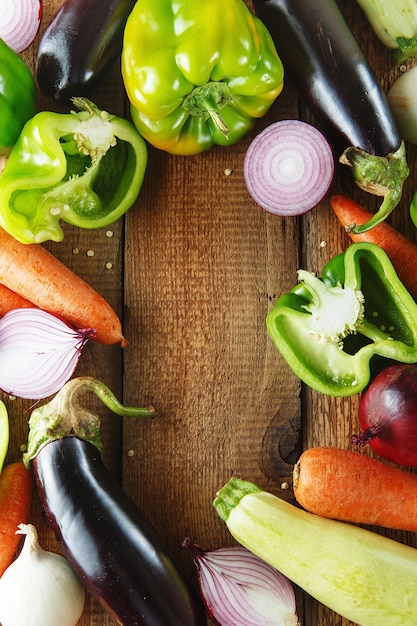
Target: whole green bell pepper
(198, 73)
(17, 96)
(329, 329)
(85, 168)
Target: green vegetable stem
(329, 329)
(198, 73)
(85, 168)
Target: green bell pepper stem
(4, 433)
(207, 101)
(329, 329)
(65, 416)
(85, 168)
(382, 176)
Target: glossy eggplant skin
(118, 555)
(80, 45)
(331, 74)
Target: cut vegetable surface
(289, 167)
(352, 487)
(38, 276)
(365, 577)
(336, 81)
(19, 22)
(401, 251)
(85, 167)
(38, 352)
(329, 329)
(240, 589)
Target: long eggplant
(333, 77)
(80, 45)
(116, 552)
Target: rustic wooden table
(193, 270)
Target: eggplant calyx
(380, 176)
(65, 416)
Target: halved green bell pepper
(329, 329)
(17, 96)
(85, 168)
(198, 73)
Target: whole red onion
(388, 415)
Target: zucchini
(365, 577)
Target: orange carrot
(16, 486)
(351, 487)
(10, 300)
(38, 276)
(401, 250)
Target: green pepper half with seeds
(85, 167)
(329, 329)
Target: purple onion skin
(118, 555)
(388, 415)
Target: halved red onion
(38, 352)
(288, 168)
(19, 22)
(240, 589)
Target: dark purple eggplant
(334, 79)
(80, 45)
(116, 552)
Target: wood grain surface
(193, 269)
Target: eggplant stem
(65, 416)
(381, 176)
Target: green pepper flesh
(85, 168)
(382, 322)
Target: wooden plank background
(195, 267)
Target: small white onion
(40, 588)
(38, 352)
(19, 22)
(288, 168)
(240, 589)
(403, 104)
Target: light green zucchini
(365, 577)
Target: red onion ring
(288, 168)
(19, 22)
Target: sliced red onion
(240, 589)
(19, 22)
(288, 168)
(38, 352)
